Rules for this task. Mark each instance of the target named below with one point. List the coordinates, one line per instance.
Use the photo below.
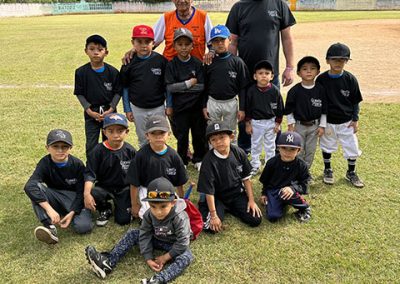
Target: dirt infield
(374, 48)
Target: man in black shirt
(106, 168)
(56, 189)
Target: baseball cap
(115, 119)
(59, 135)
(289, 139)
(263, 64)
(307, 59)
(98, 39)
(157, 122)
(217, 127)
(160, 190)
(182, 32)
(338, 50)
(219, 31)
(142, 31)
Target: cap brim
(152, 38)
(288, 146)
(178, 37)
(116, 123)
(165, 129)
(229, 132)
(338, 57)
(172, 198)
(60, 140)
(219, 36)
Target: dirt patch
(374, 48)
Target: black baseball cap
(338, 50)
(115, 119)
(263, 64)
(160, 190)
(183, 32)
(98, 39)
(216, 127)
(308, 59)
(289, 139)
(59, 135)
(157, 122)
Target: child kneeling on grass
(285, 178)
(165, 226)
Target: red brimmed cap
(142, 31)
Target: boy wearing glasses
(153, 160)
(165, 226)
(56, 189)
(106, 170)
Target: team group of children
(207, 101)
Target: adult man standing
(256, 28)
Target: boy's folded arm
(115, 100)
(178, 87)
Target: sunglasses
(159, 194)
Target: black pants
(122, 202)
(237, 207)
(61, 201)
(190, 120)
(92, 132)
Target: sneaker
(303, 215)
(99, 262)
(151, 280)
(102, 220)
(354, 179)
(254, 171)
(197, 166)
(46, 234)
(328, 176)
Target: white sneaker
(197, 166)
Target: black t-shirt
(258, 25)
(263, 105)
(226, 78)
(178, 71)
(145, 80)
(97, 88)
(107, 167)
(342, 95)
(69, 177)
(223, 177)
(306, 104)
(149, 165)
(278, 174)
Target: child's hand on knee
(286, 193)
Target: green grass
(353, 235)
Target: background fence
(24, 9)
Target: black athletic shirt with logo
(108, 168)
(223, 177)
(342, 95)
(306, 104)
(226, 78)
(178, 71)
(148, 165)
(97, 88)
(69, 177)
(258, 25)
(145, 80)
(278, 174)
(264, 105)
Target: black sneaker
(47, 234)
(99, 262)
(151, 280)
(354, 179)
(102, 220)
(328, 176)
(303, 215)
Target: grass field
(353, 235)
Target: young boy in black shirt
(224, 181)
(56, 189)
(264, 111)
(285, 179)
(106, 169)
(226, 80)
(97, 88)
(184, 77)
(153, 160)
(143, 81)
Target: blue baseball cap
(115, 119)
(219, 31)
(289, 139)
